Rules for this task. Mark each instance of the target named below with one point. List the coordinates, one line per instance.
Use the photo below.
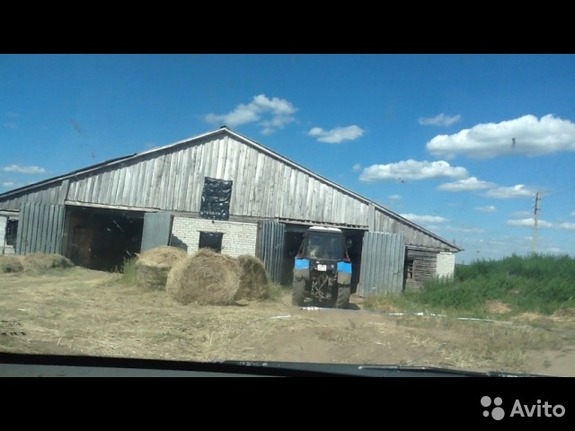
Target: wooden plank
(184, 175)
(147, 195)
(35, 226)
(63, 191)
(239, 192)
(43, 237)
(115, 183)
(162, 182)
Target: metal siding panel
(157, 230)
(269, 247)
(40, 228)
(382, 264)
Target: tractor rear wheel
(343, 293)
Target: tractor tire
(342, 300)
(298, 292)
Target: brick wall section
(239, 238)
(445, 264)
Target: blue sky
(458, 143)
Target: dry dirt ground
(79, 311)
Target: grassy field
(509, 287)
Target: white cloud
(424, 218)
(464, 185)
(460, 229)
(412, 170)
(394, 197)
(516, 191)
(573, 213)
(487, 209)
(8, 184)
(356, 167)
(278, 113)
(522, 214)
(529, 222)
(526, 135)
(24, 169)
(439, 120)
(337, 135)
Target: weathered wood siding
(424, 264)
(54, 193)
(263, 186)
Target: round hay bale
(10, 264)
(254, 280)
(45, 261)
(206, 277)
(154, 265)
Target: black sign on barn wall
(216, 197)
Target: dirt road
(78, 311)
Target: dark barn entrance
(101, 239)
(293, 239)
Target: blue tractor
(322, 269)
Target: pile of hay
(10, 264)
(254, 281)
(44, 261)
(206, 277)
(154, 265)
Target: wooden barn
(220, 190)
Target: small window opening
(211, 240)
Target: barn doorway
(102, 238)
(293, 238)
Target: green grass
(537, 283)
(129, 272)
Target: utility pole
(535, 222)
